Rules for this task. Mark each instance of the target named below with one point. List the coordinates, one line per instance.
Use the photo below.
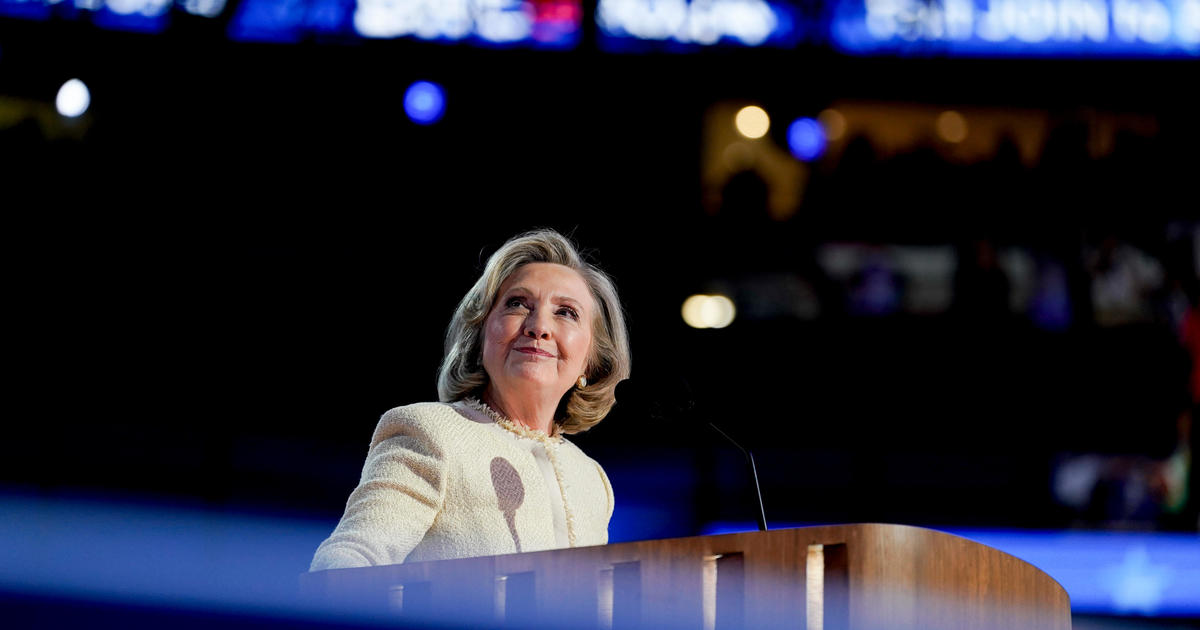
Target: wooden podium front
(861, 576)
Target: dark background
(251, 253)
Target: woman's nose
(536, 328)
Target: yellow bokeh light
(951, 126)
(834, 124)
(752, 121)
(738, 156)
(708, 311)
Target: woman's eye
(514, 303)
(568, 312)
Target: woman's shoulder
(420, 412)
(428, 420)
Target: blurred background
(934, 261)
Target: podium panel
(862, 576)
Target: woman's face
(538, 334)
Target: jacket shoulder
(430, 420)
(577, 456)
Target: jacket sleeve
(611, 501)
(400, 492)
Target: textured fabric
(440, 482)
(537, 451)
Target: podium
(862, 576)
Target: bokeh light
(73, 98)
(834, 123)
(708, 311)
(424, 102)
(951, 126)
(752, 121)
(738, 156)
(206, 8)
(806, 139)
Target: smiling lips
(535, 351)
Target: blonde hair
(462, 374)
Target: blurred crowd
(1136, 303)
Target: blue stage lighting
(806, 139)
(424, 102)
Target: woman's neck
(533, 414)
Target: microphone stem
(762, 512)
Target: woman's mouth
(535, 352)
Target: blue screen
(1030, 28)
(683, 25)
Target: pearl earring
(582, 381)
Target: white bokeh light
(73, 98)
(752, 121)
(708, 311)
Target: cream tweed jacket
(438, 483)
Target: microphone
(671, 401)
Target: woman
(535, 350)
